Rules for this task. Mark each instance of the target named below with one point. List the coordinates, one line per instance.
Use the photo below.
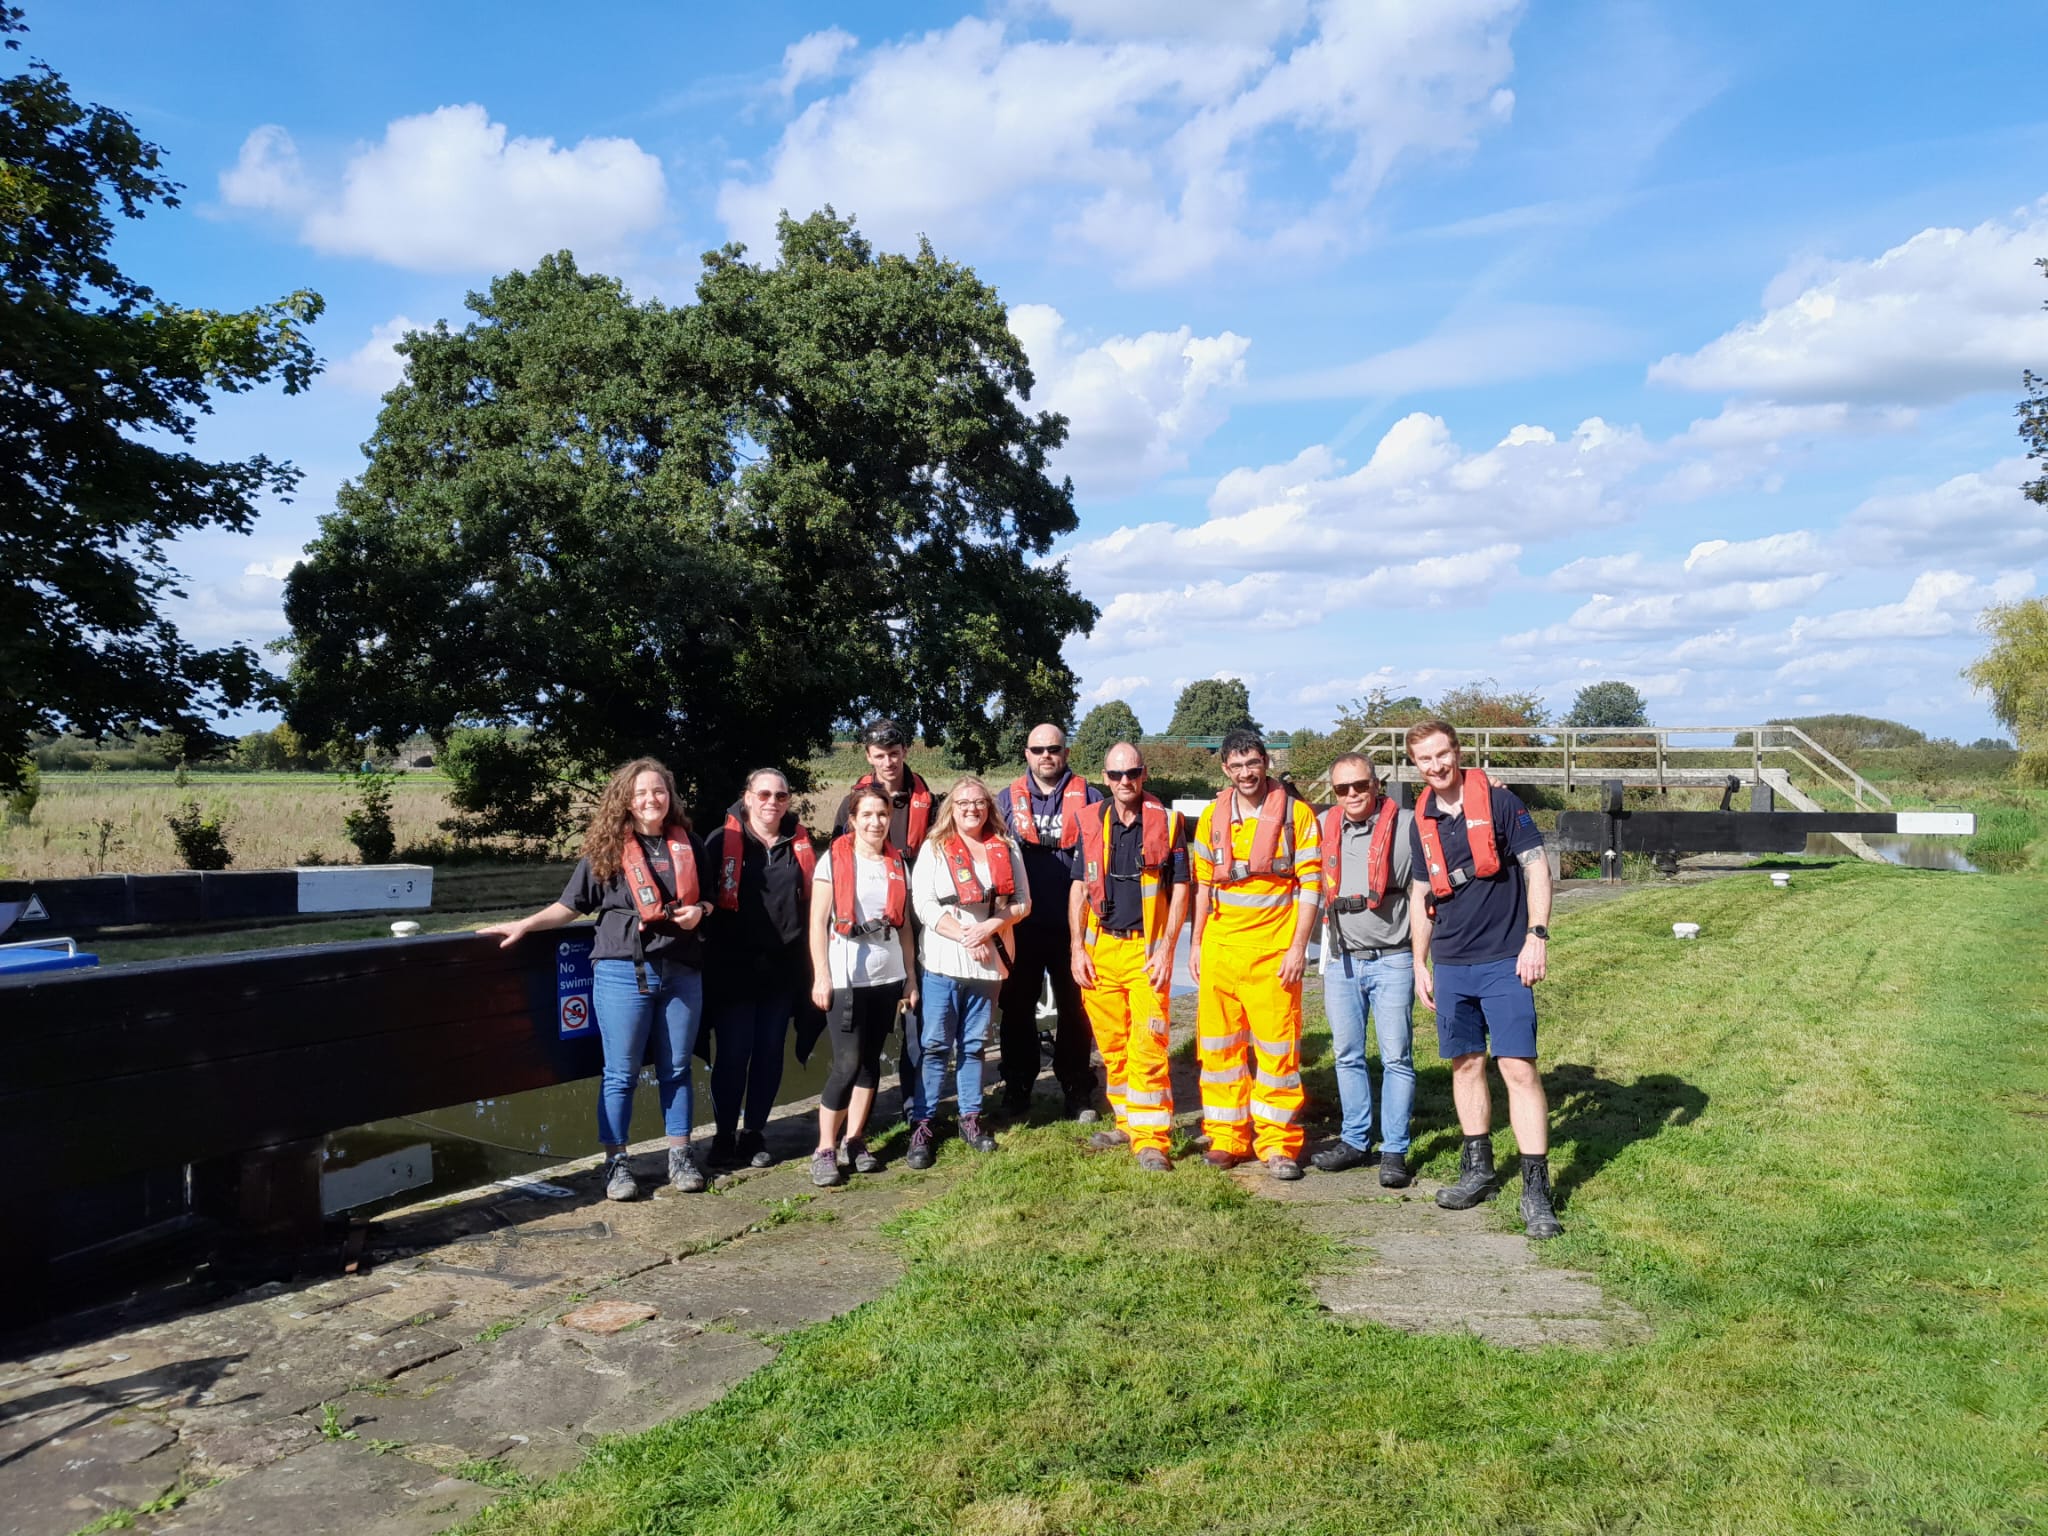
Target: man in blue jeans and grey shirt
(1368, 968)
(1481, 902)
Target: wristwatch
(1538, 931)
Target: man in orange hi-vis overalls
(1125, 913)
(1258, 888)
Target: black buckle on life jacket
(1349, 905)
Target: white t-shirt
(868, 959)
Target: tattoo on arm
(1530, 857)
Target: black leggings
(858, 1022)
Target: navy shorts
(1475, 1002)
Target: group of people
(942, 917)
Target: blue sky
(1404, 343)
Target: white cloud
(1115, 688)
(452, 191)
(1938, 603)
(1711, 561)
(259, 571)
(1948, 313)
(1978, 518)
(1604, 615)
(1513, 342)
(1231, 21)
(1150, 125)
(1136, 404)
(374, 368)
(814, 57)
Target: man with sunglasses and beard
(1043, 810)
(1368, 967)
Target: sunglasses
(1118, 775)
(1045, 751)
(771, 794)
(1355, 787)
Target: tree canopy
(2014, 671)
(100, 375)
(1609, 703)
(1102, 728)
(1212, 706)
(712, 532)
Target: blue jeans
(669, 1011)
(748, 1036)
(954, 1011)
(1385, 986)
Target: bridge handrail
(1567, 747)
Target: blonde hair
(944, 824)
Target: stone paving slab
(1415, 1266)
(337, 1488)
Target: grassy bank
(1810, 1147)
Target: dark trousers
(1041, 952)
(858, 1022)
(748, 1040)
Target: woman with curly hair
(639, 875)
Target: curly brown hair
(604, 839)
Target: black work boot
(1475, 1176)
(1538, 1219)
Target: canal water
(1913, 852)
(492, 1139)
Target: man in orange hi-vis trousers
(1258, 887)
(1126, 912)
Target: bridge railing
(1586, 754)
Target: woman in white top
(968, 890)
(865, 966)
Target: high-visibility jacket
(648, 899)
(895, 912)
(920, 819)
(1253, 898)
(732, 858)
(1161, 834)
(1379, 852)
(1073, 801)
(1479, 830)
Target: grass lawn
(1812, 1147)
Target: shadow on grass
(1592, 1118)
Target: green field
(1812, 1148)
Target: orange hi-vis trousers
(1248, 1038)
(1128, 1015)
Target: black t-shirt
(764, 941)
(1484, 920)
(1123, 903)
(617, 918)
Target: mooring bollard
(1685, 930)
(404, 929)
(1781, 880)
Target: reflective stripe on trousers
(1128, 1015)
(1249, 1038)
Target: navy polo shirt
(1482, 920)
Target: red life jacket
(1073, 801)
(895, 911)
(1379, 853)
(1275, 819)
(920, 810)
(732, 859)
(967, 884)
(648, 900)
(1479, 828)
(1156, 851)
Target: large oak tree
(714, 531)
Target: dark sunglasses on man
(1057, 746)
(1118, 775)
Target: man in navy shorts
(1480, 899)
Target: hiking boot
(825, 1168)
(1538, 1219)
(1394, 1172)
(684, 1176)
(1109, 1140)
(1341, 1157)
(923, 1146)
(1017, 1103)
(1475, 1176)
(752, 1151)
(1152, 1160)
(864, 1161)
(724, 1152)
(975, 1134)
(1217, 1159)
(1285, 1169)
(619, 1183)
